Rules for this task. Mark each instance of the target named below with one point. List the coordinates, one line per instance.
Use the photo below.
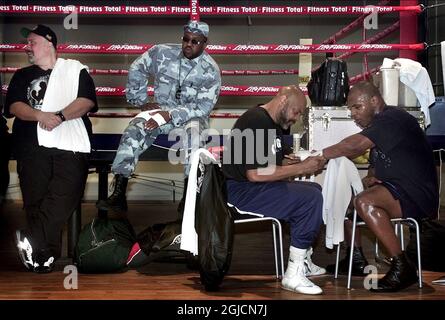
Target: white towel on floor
(63, 84)
(341, 175)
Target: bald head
(292, 93)
(365, 88)
(288, 105)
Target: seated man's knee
(363, 204)
(136, 125)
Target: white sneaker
(25, 250)
(310, 268)
(299, 283)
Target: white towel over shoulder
(341, 176)
(63, 84)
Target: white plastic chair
(251, 217)
(276, 228)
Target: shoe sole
(291, 290)
(43, 270)
(388, 290)
(20, 251)
(316, 274)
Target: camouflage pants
(136, 139)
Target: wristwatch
(60, 114)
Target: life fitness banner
(228, 48)
(203, 10)
(225, 90)
(118, 72)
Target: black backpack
(329, 84)
(215, 227)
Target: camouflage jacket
(200, 83)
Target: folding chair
(251, 217)
(398, 223)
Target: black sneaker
(24, 249)
(44, 261)
(359, 263)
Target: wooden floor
(251, 276)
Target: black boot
(359, 263)
(401, 275)
(181, 204)
(118, 200)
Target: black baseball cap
(43, 31)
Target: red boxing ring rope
(223, 72)
(194, 10)
(204, 10)
(225, 90)
(375, 38)
(115, 72)
(350, 27)
(228, 48)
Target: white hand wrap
(159, 119)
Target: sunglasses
(193, 41)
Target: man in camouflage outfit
(187, 83)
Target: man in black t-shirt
(402, 180)
(5, 147)
(52, 178)
(258, 181)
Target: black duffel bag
(104, 245)
(215, 226)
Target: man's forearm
(350, 147)
(77, 108)
(277, 173)
(271, 173)
(24, 112)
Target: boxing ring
(104, 145)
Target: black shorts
(409, 208)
